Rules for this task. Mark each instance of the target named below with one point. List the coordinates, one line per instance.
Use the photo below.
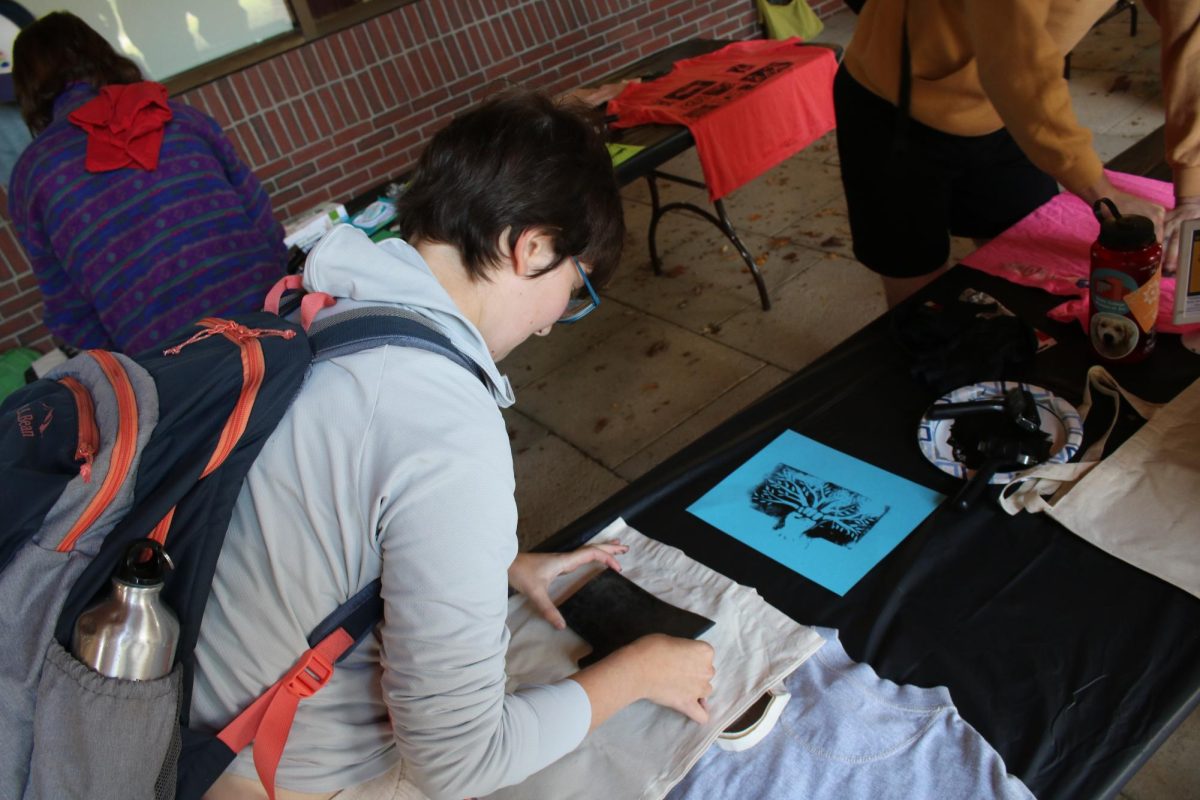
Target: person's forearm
(611, 684)
(1127, 204)
(666, 670)
(1181, 89)
(65, 311)
(1092, 193)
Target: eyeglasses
(582, 303)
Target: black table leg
(721, 221)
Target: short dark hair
(55, 51)
(518, 161)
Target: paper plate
(1059, 419)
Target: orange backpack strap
(288, 283)
(268, 720)
(310, 302)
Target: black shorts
(905, 202)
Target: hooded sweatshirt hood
(358, 273)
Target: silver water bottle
(132, 633)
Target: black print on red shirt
(762, 73)
(688, 90)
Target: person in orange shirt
(978, 130)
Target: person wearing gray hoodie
(394, 463)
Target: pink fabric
(749, 106)
(1050, 249)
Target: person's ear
(533, 251)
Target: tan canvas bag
(1142, 503)
(644, 750)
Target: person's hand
(1186, 208)
(1129, 204)
(531, 573)
(1132, 204)
(672, 672)
(1126, 203)
(666, 670)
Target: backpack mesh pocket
(103, 737)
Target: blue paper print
(819, 512)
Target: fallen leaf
(600, 425)
(657, 348)
(1121, 83)
(649, 387)
(789, 257)
(675, 271)
(832, 241)
(761, 260)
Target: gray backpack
(107, 450)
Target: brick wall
(335, 117)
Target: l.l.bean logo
(25, 422)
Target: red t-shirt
(749, 106)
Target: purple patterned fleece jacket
(127, 258)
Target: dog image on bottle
(1113, 336)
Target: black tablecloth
(1073, 664)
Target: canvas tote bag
(644, 750)
(1142, 503)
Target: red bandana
(124, 124)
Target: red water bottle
(1126, 270)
